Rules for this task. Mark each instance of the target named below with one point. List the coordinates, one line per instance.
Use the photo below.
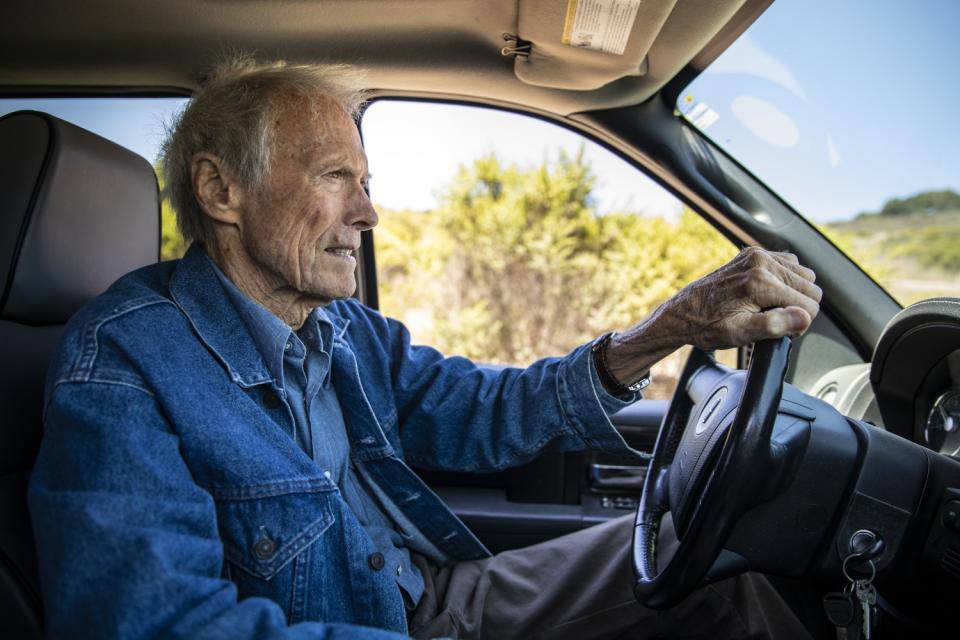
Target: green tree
(924, 202)
(172, 244)
(516, 263)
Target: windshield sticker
(698, 113)
(599, 25)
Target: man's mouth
(344, 253)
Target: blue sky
(871, 88)
(836, 105)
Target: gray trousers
(579, 587)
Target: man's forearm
(632, 353)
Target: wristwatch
(610, 383)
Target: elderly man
(227, 436)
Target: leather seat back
(76, 213)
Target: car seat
(76, 212)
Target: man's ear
(219, 195)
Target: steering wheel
(712, 461)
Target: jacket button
(376, 561)
(271, 400)
(264, 548)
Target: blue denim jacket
(170, 499)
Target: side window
(139, 124)
(505, 238)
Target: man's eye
(337, 175)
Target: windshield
(848, 110)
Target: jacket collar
(196, 289)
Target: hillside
(913, 254)
(923, 202)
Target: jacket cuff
(586, 405)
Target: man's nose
(361, 214)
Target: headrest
(76, 212)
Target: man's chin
(322, 298)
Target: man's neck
(288, 304)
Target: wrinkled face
(303, 226)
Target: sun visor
(585, 44)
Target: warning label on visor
(599, 25)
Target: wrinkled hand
(758, 295)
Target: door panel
(555, 494)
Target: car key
(866, 594)
(840, 607)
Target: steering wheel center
(698, 449)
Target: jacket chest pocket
(267, 531)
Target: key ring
(846, 574)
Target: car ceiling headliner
(410, 47)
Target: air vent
(746, 353)
(951, 561)
(829, 393)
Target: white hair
(231, 118)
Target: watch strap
(609, 382)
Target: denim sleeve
(610, 403)
(127, 542)
(456, 415)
